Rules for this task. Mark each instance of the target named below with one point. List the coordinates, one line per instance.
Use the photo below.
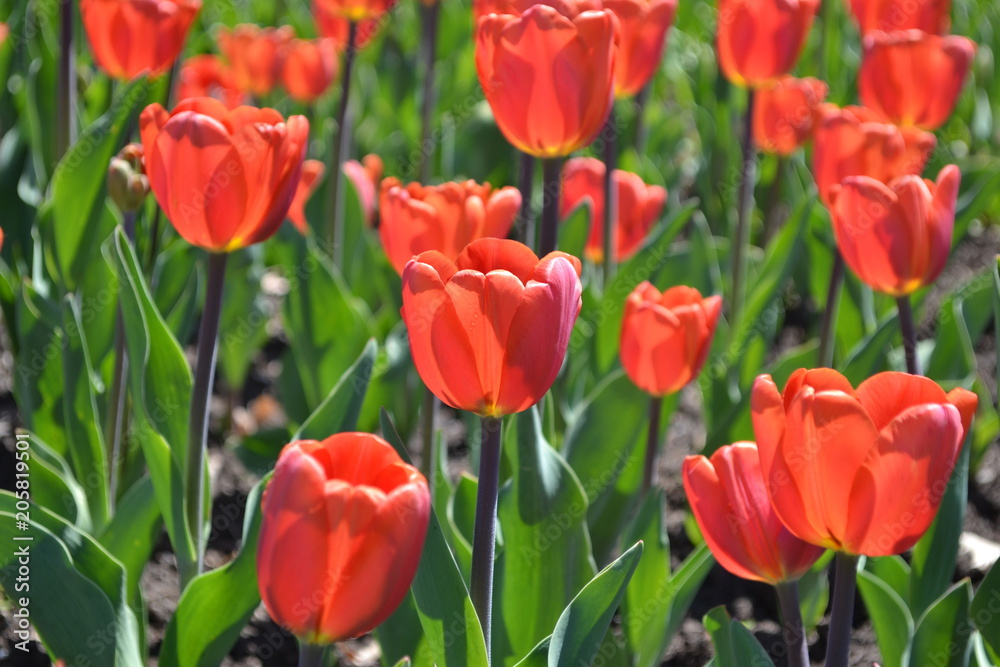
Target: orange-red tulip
(308, 68)
(549, 79)
(896, 237)
(356, 10)
(488, 332)
(914, 78)
(785, 112)
(644, 25)
(729, 500)
(207, 76)
(666, 337)
(365, 177)
(335, 27)
(225, 179)
(255, 55)
(312, 174)
(639, 205)
(889, 15)
(855, 141)
(129, 37)
(446, 217)
(343, 523)
(568, 8)
(858, 471)
(759, 40)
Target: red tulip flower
(357, 11)
(129, 37)
(666, 337)
(312, 174)
(255, 55)
(855, 141)
(914, 78)
(858, 471)
(342, 529)
(568, 8)
(889, 15)
(225, 179)
(365, 176)
(548, 78)
(335, 27)
(728, 497)
(759, 40)
(896, 237)
(308, 68)
(785, 113)
(639, 205)
(207, 76)
(644, 26)
(445, 217)
(488, 332)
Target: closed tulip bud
(446, 218)
(225, 179)
(889, 15)
(129, 37)
(207, 76)
(759, 40)
(896, 237)
(666, 337)
(127, 182)
(644, 25)
(254, 54)
(312, 174)
(308, 69)
(855, 141)
(858, 471)
(365, 176)
(489, 331)
(548, 78)
(728, 497)
(336, 28)
(639, 205)
(887, 84)
(356, 10)
(343, 523)
(785, 113)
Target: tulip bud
(127, 182)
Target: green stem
(334, 209)
(610, 198)
(748, 174)
(842, 616)
(525, 225)
(828, 328)
(551, 175)
(773, 199)
(793, 630)
(485, 530)
(909, 331)
(652, 443)
(428, 45)
(311, 655)
(66, 99)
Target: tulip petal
(887, 395)
(491, 254)
(966, 402)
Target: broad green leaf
(814, 591)
(401, 636)
(892, 620)
(462, 520)
(574, 230)
(39, 383)
(339, 411)
(986, 608)
(942, 634)
(54, 487)
(734, 645)
(953, 357)
(685, 584)
(894, 572)
(868, 356)
(245, 313)
(646, 607)
(179, 288)
(132, 533)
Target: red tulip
(896, 237)
(639, 205)
(343, 523)
(889, 15)
(356, 10)
(858, 471)
(335, 27)
(644, 25)
(129, 37)
(784, 113)
(308, 68)
(854, 141)
(225, 179)
(759, 40)
(207, 76)
(488, 332)
(549, 79)
(666, 337)
(255, 55)
(445, 217)
(568, 8)
(312, 174)
(4, 31)
(365, 177)
(913, 78)
(728, 498)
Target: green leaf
(133, 531)
(54, 487)
(894, 572)
(245, 313)
(401, 636)
(39, 383)
(734, 645)
(892, 620)
(942, 634)
(179, 284)
(574, 230)
(339, 411)
(868, 356)
(216, 605)
(450, 623)
(953, 357)
(646, 607)
(684, 585)
(462, 521)
(986, 608)
(814, 591)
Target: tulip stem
(842, 616)
(551, 167)
(66, 129)
(526, 184)
(909, 331)
(791, 621)
(201, 396)
(610, 197)
(428, 432)
(334, 209)
(828, 327)
(641, 132)
(428, 46)
(748, 174)
(485, 530)
(311, 655)
(652, 443)
(773, 199)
